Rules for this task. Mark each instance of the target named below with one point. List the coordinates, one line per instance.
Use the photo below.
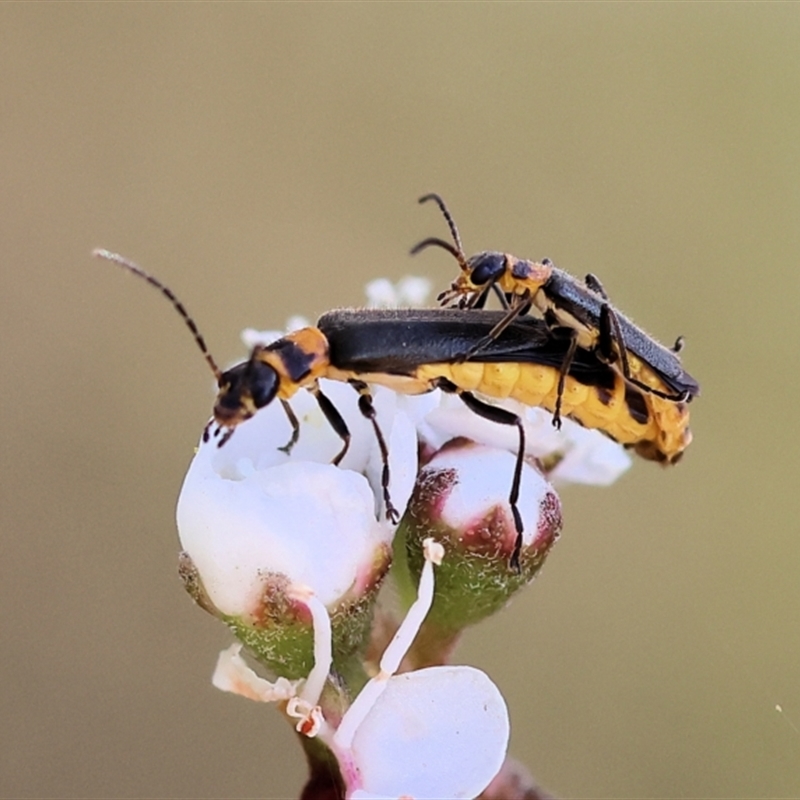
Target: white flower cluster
(248, 512)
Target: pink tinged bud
(465, 488)
(255, 523)
(461, 498)
(312, 523)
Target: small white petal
(417, 408)
(589, 456)
(296, 322)
(410, 291)
(233, 675)
(381, 293)
(590, 459)
(413, 291)
(452, 418)
(251, 337)
(440, 732)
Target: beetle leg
(518, 306)
(611, 331)
(593, 282)
(334, 419)
(562, 375)
(505, 300)
(293, 421)
(504, 417)
(225, 436)
(674, 397)
(478, 299)
(366, 407)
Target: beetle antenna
(433, 240)
(458, 250)
(447, 215)
(116, 258)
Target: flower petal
(440, 732)
(313, 522)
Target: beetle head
(243, 390)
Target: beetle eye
(487, 268)
(263, 384)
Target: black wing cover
(398, 341)
(585, 305)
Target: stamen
(323, 643)
(396, 651)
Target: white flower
(409, 291)
(463, 494)
(439, 732)
(588, 457)
(252, 336)
(247, 509)
(583, 455)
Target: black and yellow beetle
(580, 308)
(417, 351)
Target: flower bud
(461, 500)
(256, 523)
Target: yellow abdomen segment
(672, 430)
(656, 428)
(643, 372)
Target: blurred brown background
(265, 160)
